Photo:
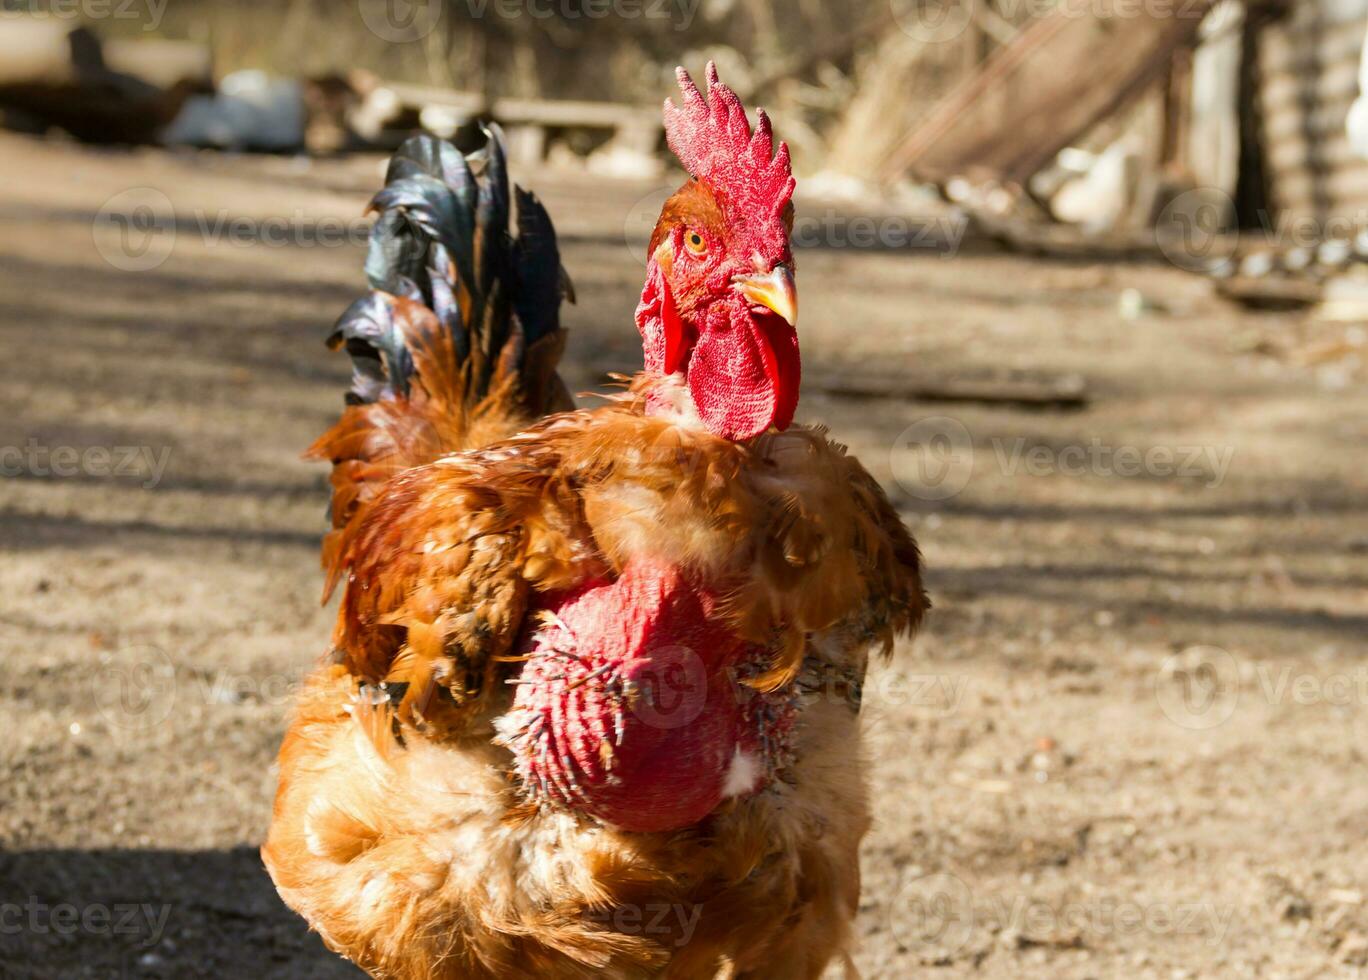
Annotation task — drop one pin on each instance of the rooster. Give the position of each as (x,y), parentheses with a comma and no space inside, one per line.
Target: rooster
(592,704)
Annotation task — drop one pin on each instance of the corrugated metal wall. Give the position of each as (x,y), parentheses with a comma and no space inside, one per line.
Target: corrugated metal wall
(1309,77)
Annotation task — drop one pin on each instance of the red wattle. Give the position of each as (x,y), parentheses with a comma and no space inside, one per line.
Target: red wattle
(745,371)
(743,366)
(665,339)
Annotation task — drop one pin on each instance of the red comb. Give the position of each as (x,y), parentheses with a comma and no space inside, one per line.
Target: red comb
(713,140)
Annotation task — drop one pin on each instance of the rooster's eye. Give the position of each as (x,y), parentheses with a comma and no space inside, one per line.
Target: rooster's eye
(695,242)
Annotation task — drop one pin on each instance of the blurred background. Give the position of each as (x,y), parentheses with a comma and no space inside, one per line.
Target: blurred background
(1084,284)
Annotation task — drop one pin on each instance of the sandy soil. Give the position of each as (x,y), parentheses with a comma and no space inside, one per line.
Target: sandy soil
(1131,741)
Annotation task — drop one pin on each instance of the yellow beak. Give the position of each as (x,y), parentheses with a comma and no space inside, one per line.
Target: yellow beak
(773,290)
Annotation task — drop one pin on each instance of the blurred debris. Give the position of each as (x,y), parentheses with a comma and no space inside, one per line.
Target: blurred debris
(1352,949)
(1213,136)
(250,111)
(331,104)
(253,110)
(1068,137)
(626,139)
(1210,134)
(1030,234)
(1285,899)
(896,86)
(1345,300)
(1258,292)
(995,786)
(1337,351)
(1132,304)
(1097,190)
(149,91)
(1058,78)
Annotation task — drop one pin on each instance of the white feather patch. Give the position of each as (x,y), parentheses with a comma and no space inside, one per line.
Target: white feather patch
(742,775)
(676,404)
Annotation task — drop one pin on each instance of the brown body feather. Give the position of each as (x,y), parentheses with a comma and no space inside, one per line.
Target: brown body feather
(453,404)
(399,833)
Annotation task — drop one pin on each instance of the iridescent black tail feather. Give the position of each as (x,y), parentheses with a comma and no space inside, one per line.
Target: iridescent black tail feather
(449,237)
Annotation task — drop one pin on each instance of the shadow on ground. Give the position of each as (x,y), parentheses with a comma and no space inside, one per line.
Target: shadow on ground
(113,913)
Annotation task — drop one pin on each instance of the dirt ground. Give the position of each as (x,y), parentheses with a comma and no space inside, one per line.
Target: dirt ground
(1130,742)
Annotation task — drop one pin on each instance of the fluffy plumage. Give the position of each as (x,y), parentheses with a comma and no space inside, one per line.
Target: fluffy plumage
(485,780)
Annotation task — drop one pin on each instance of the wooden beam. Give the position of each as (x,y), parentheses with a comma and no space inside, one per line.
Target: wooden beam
(1064,393)
(1064,73)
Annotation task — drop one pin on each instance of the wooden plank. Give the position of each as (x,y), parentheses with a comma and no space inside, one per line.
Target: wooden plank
(1068,241)
(557,112)
(1063,393)
(527,120)
(1335,82)
(1271,292)
(421,96)
(1066,392)
(1341,188)
(529,112)
(1319,121)
(1296,155)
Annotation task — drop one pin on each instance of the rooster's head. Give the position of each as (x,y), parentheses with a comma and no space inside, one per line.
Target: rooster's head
(719,303)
